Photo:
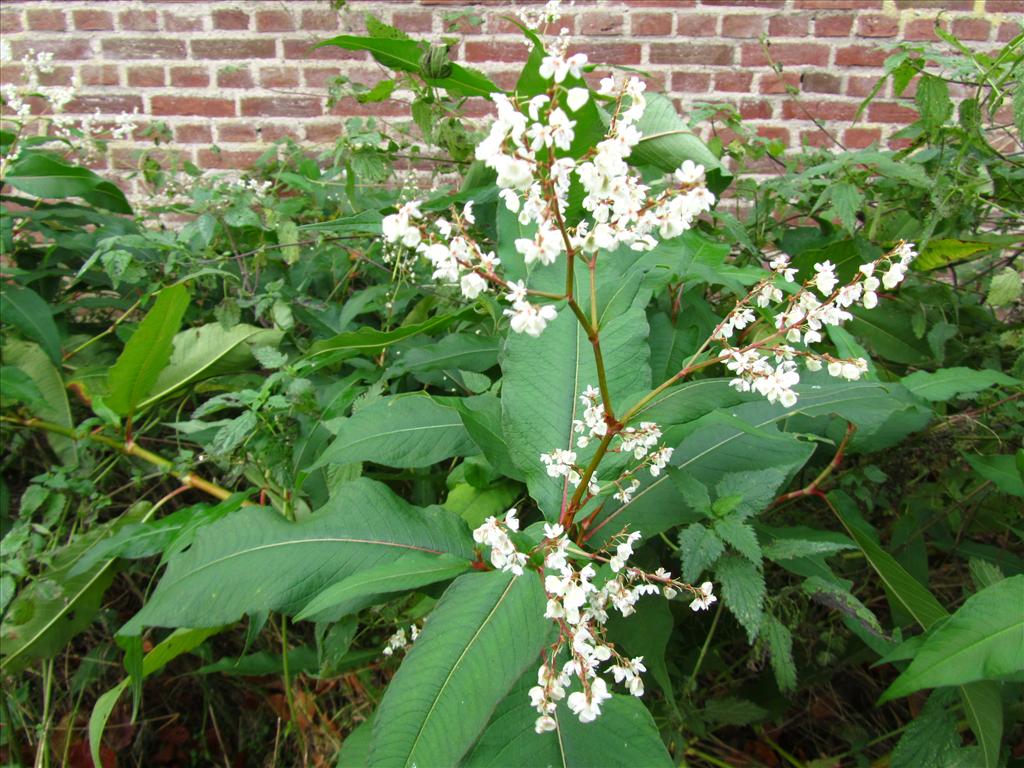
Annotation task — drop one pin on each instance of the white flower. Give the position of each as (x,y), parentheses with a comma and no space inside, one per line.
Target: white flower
(530,319)
(467,213)
(472,285)
(704,600)
(577,98)
(557,67)
(825,279)
(398,227)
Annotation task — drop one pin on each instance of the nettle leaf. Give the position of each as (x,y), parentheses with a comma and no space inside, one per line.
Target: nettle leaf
(931,738)
(254,560)
(743,592)
(699,549)
(982,640)
(933,102)
(625,736)
(147,351)
(740,536)
(1005,288)
(486,630)
(780,650)
(401,431)
(26,310)
(844,200)
(948,383)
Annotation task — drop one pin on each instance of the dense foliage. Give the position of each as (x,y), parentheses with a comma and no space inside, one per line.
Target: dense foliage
(540,456)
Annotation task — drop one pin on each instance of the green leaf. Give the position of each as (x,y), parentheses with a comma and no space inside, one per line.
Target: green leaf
(625,736)
(733,711)
(355,750)
(845,201)
(699,549)
(983,640)
(455,351)
(667,140)
(46,176)
(943,252)
(801,541)
(401,431)
(147,351)
(743,592)
(780,650)
(23,308)
(206,351)
(481,415)
(890,334)
(947,383)
(834,596)
(486,630)
(646,633)
(933,102)
(1005,288)
(16,386)
(178,642)
(371,342)
(413,569)
(35,363)
(740,536)
(255,560)
(930,739)
(1004,471)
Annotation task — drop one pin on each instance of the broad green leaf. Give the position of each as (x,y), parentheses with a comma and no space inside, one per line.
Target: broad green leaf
(413,569)
(699,549)
(45,176)
(646,633)
(933,102)
(455,351)
(625,736)
(370,341)
(35,363)
(930,739)
(780,649)
(209,350)
(667,140)
(481,415)
(401,431)
(355,750)
(740,536)
(983,640)
(147,351)
(16,386)
(255,560)
(484,633)
(890,334)
(801,541)
(742,592)
(1005,288)
(543,380)
(947,383)
(474,505)
(178,642)
(943,252)
(733,711)
(1004,471)
(23,308)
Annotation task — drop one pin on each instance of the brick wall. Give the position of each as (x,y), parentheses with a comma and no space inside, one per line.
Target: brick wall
(235,75)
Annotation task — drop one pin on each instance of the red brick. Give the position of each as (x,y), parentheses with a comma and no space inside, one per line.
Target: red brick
(1004,6)
(861,56)
(146,77)
(193,133)
(303,49)
(351,107)
(228,159)
(774,132)
(230,18)
(788,26)
(143,48)
(609,53)
(247,48)
(12,73)
(282,106)
(755,110)
(818,110)
(413,21)
(193,106)
(322,133)
(107,105)
(859,87)
(859,138)
(600,23)
(971,29)
(274,21)
(275,132)
(816,138)
(175,23)
(138,20)
(877,25)
(237,133)
(651,24)
(62,48)
(746,3)
(92,21)
(890,112)
(190,77)
(833,26)
(479,50)
(10,22)
(920,29)
(773,82)
(279,77)
(748,25)
(1008,30)
(45,20)
(697,26)
(60,76)
(319,19)
(753,55)
(820,82)
(100,74)
(734,82)
(899,143)
(234,77)
(704,54)
(690,82)
(316,78)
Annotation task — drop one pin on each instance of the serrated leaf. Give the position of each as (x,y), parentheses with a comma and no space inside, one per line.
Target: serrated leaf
(740,536)
(1005,288)
(930,739)
(982,640)
(401,431)
(942,252)
(780,650)
(845,200)
(743,592)
(486,630)
(254,560)
(699,549)
(933,102)
(25,309)
(947,383)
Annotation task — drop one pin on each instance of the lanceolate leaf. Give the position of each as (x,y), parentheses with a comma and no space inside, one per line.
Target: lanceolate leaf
(402,431)
(950,382)
(255,560)
(487,629)
(147,351)
(667,140)
(983,640)
(31,360)
(44,175)
(24,308)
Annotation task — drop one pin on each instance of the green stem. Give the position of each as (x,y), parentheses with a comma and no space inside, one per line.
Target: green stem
(704,649)
(107,332)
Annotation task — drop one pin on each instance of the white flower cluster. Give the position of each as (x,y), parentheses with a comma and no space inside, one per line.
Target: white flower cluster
(769,365)
(504,555)
(398,640)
